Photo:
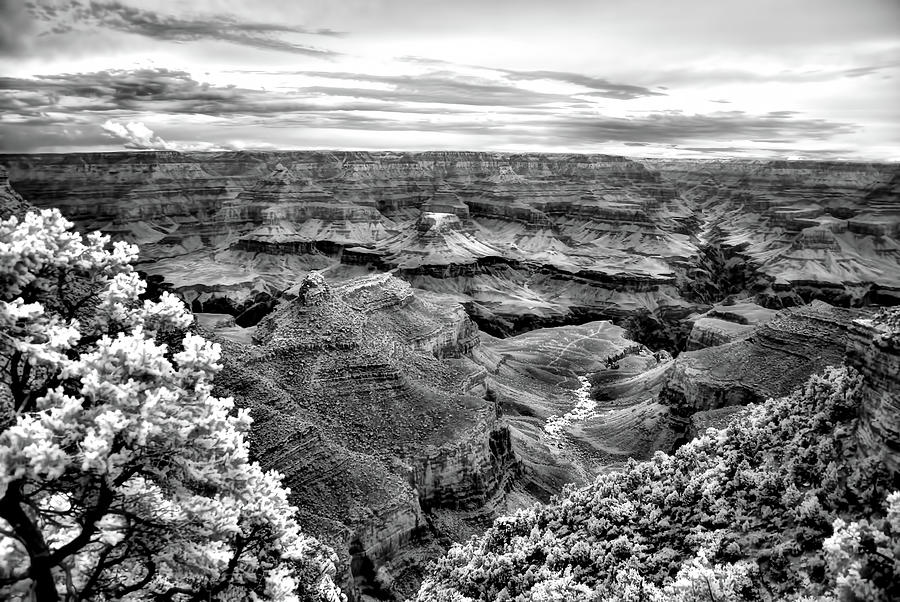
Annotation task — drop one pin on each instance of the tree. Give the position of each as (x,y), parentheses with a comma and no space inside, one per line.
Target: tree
(864,556)
(739,513)
(121,475)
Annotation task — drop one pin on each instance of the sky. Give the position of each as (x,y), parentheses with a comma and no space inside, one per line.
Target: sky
(789,79)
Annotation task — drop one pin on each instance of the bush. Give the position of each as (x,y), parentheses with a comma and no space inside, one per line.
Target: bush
(737,514)
(121,475)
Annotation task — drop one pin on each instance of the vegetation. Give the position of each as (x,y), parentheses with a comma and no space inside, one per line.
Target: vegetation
(887,321)
(121,475)
(755,511)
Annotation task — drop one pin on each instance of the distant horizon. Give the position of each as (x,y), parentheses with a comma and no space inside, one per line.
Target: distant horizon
(766,80)
(134,151)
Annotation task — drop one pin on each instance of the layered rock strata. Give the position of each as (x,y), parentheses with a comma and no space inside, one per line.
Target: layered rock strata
(11,203)
(726,324)
(524,240)
(774,359)
(361,399)
(877,358)
(819,230)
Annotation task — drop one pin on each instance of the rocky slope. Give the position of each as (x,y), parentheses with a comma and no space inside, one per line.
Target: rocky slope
(11,203)
(360,399)
(356,284)
(877,358)
(401,428)
(524,240)
(774,359)
(825,230)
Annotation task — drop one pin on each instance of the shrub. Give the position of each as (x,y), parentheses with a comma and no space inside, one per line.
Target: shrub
(121,475)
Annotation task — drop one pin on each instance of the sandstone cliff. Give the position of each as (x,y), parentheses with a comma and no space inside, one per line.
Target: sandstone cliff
(878,360)
(770,362)
(359,400)
(524,240)
(11,203)
(726,323)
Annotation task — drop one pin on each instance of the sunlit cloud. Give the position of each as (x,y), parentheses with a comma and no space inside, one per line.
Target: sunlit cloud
(136,135)
(814,78)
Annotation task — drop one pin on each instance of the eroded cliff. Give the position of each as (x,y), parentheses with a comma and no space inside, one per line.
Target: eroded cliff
(877,357)
(360,400)
(524,240)
(773,360)
(11,203)
(357,283)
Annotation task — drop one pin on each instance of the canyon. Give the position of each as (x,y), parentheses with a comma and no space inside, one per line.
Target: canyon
(431,340)
(522,240)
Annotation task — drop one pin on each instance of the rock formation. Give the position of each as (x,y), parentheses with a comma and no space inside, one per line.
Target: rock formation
(361,399)
(823,230)
(428,340)
(524,240)
(877,358)
(773,360)
(707,385)
(11,203)
(726,323)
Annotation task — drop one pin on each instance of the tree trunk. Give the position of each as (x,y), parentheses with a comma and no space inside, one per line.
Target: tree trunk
(31,537)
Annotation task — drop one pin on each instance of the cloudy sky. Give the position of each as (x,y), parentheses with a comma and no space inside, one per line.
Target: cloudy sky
(768,78)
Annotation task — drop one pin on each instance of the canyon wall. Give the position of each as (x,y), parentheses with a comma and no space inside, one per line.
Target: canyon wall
(823,230)
(707,385)
(524,240)
(11,202)
(771,361)
(877,358)
(363,400)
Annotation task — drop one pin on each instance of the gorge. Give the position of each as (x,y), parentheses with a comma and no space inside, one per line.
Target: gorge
(406,327)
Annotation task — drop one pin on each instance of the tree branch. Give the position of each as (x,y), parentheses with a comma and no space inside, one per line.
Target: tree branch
(4,581)
(225,581)
(151,572)
(91,516)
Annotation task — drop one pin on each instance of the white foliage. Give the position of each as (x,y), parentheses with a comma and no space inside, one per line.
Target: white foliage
(136,476)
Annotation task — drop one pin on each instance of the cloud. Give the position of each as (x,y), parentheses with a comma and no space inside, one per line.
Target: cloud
(599,86)
(173,91)
(16,27)
(136,135)
(129,19)
(878,63)
(164,90)
(587,131)
(436,104)
(676,127)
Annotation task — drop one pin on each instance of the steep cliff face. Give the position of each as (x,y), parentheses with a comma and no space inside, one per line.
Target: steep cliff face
(710,332)
(878,360)
(125,189)
(820,230)
(726,324)
(769,362)
(11,203)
